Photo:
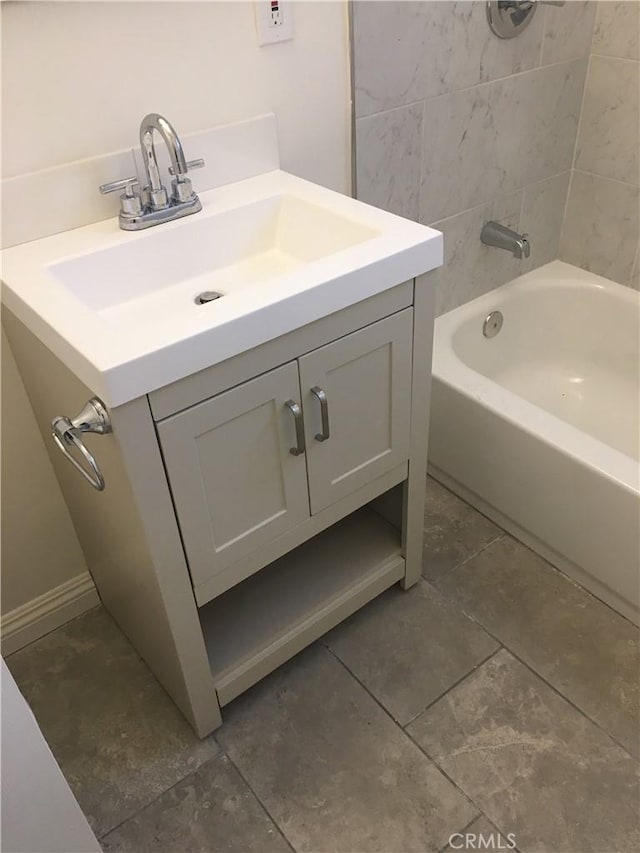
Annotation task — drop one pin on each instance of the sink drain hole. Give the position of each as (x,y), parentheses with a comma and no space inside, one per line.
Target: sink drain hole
(207,296)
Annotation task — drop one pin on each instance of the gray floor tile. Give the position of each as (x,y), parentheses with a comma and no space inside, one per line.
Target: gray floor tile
(453,531)
(586,650)
(332,769)
(533,763)
(211,811)
(480,835)
(408,648)
(117,736)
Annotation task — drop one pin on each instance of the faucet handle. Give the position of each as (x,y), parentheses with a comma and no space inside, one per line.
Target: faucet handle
(126,184)
(191,164)
(181,184)
(130,202)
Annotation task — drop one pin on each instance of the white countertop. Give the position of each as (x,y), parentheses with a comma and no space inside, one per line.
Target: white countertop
(140,344)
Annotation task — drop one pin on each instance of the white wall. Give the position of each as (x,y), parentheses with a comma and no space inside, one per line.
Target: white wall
(40,550)
(77,79)
(79,76)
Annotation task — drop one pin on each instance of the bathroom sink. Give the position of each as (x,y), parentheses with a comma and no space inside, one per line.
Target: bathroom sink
(121,309)
(248,245)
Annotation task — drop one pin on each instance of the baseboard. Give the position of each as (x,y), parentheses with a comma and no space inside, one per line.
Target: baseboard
(47,612)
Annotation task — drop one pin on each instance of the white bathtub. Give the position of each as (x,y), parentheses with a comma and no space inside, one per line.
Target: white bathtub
(538,427)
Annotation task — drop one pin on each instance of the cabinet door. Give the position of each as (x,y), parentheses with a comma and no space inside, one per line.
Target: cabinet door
(235,483)
(365,378)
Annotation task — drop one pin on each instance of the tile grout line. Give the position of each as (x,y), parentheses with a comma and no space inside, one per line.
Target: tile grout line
(139,811)
(453,686)
(222,754)
(576,141)
(469,825)
(505,534)
(583,98)
(435,763)
(559,693)
(423,125)
(466,559)
(605,178)
(460,832)
(542,678)
(260,802)
(536,69)
(543,36)
(611,56)
(397,725)
(530,667)
(502,195)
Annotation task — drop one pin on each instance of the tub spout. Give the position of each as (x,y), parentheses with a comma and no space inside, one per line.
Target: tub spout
(494,234)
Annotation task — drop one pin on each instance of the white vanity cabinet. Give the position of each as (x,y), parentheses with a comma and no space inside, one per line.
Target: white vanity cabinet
(235,485)
(219,551)
(257,460)
(263,454)
(366,377)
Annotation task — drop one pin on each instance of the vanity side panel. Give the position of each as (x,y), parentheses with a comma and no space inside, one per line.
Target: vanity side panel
(415,484)
(128,532)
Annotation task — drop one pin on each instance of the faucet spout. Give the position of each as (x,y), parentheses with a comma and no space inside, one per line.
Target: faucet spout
(494,234)
(151,122)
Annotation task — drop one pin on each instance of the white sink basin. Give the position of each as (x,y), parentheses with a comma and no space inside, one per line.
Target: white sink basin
(237,248)
(118,308)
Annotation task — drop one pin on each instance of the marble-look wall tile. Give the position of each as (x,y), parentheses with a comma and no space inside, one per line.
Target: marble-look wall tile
(568,31)
(498,137)
(471,268)
(617,30)
(409,51)
(601,226)
(609,136)
(543,207)
(388,152)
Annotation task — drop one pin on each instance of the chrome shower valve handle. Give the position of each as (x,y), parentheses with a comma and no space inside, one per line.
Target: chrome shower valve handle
(507,18)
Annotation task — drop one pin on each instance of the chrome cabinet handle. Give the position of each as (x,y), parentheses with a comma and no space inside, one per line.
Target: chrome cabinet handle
(296,411)
(324,414)
(66,433)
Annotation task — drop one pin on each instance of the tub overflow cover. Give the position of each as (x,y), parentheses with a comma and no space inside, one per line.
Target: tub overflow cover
(492,324)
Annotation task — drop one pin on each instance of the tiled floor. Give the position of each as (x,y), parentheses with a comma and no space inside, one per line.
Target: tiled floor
(493,698)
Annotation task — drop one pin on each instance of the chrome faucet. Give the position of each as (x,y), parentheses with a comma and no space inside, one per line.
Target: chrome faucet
(494,234)
(155,205)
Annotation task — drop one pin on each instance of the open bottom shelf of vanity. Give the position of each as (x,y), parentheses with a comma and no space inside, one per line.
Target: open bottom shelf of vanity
(265,620)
